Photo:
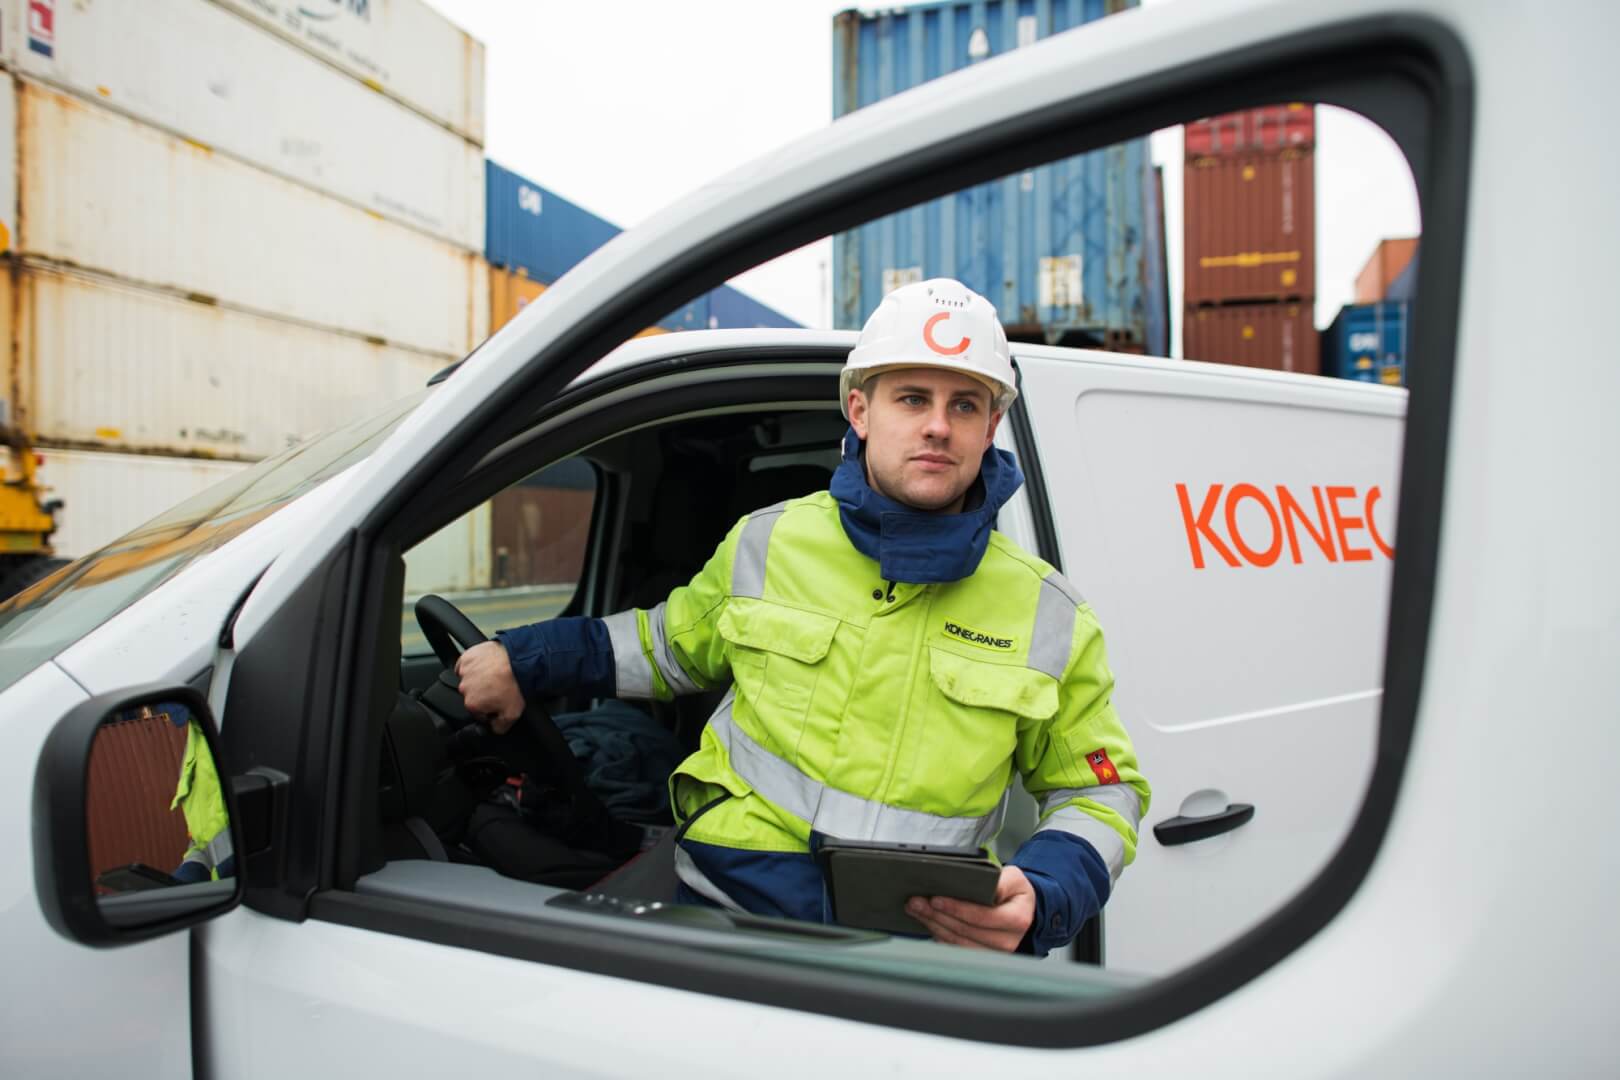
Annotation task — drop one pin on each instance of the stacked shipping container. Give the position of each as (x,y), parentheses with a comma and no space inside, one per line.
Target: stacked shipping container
(1249,256)
(1068,252)
(535,236)
(1367,343)
(1367,340)
(228,224)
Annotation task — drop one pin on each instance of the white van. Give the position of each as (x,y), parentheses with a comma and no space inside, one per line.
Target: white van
(1341,872)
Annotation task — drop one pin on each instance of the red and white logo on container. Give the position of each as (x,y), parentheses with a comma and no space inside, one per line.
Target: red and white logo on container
(42,27)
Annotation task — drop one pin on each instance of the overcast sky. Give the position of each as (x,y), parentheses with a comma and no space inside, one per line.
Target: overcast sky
(623,108)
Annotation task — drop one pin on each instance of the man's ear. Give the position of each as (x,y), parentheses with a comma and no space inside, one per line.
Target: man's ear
(995,422)
(857,404)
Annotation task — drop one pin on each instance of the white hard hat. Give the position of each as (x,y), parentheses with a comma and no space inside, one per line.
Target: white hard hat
(937,323)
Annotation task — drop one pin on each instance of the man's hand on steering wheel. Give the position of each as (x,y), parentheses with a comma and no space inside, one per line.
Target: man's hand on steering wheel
(488,687)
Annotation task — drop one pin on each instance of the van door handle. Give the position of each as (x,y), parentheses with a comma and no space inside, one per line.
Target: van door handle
(1185,830)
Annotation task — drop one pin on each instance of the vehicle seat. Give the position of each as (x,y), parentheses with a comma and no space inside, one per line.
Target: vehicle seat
(414,761)
(753,491)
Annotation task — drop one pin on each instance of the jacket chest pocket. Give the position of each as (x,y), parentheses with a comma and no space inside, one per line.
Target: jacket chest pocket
(777,656)
(973,715)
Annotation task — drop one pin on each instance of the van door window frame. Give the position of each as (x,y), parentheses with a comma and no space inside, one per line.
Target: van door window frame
(1409,74)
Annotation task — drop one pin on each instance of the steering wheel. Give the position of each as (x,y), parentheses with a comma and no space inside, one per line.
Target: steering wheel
(534,743)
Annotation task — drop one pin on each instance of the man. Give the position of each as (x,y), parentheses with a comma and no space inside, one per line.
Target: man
(893,661)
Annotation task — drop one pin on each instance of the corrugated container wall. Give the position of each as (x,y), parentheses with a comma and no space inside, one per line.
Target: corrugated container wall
(130,784)
(8,160)
(108,366)
(734,310)
(199,224)
(510,293)
(1367,343)
(402,48)
(1386,263)
(105,495)
(1266,130)
(1250,228)
(538,236)
(1060,249)
(535,231)
(1156,269)
(204,73)
(1281,337)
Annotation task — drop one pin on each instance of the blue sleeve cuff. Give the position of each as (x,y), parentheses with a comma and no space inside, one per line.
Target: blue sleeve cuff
(1071,886)
(561,656)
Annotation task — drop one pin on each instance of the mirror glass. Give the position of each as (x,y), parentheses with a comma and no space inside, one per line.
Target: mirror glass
(156,816)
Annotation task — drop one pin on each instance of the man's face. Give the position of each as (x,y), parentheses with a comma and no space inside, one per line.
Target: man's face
(926,431)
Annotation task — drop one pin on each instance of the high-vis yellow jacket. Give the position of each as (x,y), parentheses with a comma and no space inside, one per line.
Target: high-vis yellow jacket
(870,710)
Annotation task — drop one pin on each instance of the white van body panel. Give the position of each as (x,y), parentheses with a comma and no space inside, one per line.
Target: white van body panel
(1258,683)
(67,1010)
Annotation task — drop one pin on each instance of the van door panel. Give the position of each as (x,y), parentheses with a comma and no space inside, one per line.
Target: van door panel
(1218,523)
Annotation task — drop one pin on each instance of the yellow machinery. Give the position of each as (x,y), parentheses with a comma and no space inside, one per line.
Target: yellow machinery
(26,523)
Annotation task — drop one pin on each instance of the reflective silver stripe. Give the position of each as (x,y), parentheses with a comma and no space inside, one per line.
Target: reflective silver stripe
(1053,637)
(664,656)
(1109,844)
(1120,798)
(838,813)
(748,562)
(218,849)
(1064,586)
(699,882)
(211,854)
(631,672)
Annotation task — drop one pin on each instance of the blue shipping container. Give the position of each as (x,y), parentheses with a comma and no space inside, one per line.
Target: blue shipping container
(543,235)
(731,309)
(1367,343)
(530,229)
(1066,251)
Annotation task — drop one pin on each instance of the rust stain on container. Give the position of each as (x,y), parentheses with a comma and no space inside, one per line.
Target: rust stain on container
(1250,228)
(1388,259)
(1281,337)
(134,765)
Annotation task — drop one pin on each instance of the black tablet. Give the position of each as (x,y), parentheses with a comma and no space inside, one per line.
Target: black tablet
(869,883)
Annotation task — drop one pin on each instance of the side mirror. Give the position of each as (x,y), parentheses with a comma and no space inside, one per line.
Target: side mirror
(135,829)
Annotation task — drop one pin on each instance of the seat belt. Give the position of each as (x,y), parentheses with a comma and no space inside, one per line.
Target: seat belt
(429,840)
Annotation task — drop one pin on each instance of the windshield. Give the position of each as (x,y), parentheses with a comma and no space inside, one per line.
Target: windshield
(41,621)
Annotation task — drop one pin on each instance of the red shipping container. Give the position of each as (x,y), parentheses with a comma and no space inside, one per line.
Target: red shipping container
(1265,130)
(1281,337)
(1386,264)
(134,766)
(1249,228)
(539,534)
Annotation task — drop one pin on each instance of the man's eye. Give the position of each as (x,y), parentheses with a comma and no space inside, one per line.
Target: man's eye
(912,399)
(967,406)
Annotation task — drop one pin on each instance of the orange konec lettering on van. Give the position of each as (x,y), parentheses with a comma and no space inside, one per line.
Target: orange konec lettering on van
(1329,528)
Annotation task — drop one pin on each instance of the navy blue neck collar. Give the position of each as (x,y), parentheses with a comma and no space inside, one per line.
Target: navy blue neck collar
(909,545)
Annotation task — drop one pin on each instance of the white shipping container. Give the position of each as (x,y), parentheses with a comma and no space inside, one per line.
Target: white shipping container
(208,75)
(454,559)
(402,47)
(105,496)
(104,192)
(9,387)
(8,162)
(110,366)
